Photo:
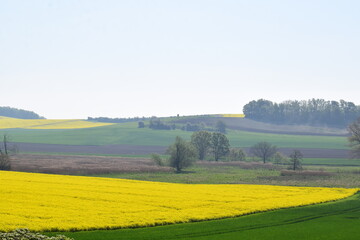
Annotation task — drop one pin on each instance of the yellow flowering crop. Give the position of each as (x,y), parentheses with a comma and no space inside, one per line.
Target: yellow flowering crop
(44,202)
(233,115)
(6,122)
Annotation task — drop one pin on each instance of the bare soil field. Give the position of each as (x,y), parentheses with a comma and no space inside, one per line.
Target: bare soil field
(89,149)
(82,165)
(142,150)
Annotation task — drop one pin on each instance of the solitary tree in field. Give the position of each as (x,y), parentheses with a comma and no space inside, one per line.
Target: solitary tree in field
(202,142)
(263,150)
(295,159)
(220,145)
(354,138)
(182,154)
(5,163)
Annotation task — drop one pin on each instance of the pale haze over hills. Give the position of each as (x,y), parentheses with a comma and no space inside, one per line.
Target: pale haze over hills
(74,59)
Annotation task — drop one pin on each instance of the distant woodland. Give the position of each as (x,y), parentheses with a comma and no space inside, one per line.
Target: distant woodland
(306,112)
(18,113)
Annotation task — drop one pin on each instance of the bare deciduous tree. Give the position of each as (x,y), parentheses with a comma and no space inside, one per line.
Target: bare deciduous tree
(5,163)
(295,159)
(354,138)
(263,150)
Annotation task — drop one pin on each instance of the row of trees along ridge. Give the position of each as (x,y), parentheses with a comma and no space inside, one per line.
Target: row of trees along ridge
(306,112)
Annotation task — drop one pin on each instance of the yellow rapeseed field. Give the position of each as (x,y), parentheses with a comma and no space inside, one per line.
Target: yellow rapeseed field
(44,202)
(6,122)
(234,115)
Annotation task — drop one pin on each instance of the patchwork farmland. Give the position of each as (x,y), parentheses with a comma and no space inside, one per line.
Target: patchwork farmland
(114,169)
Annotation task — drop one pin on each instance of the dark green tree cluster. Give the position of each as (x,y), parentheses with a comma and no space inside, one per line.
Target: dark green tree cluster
(202,142)
(183,154)
(18,113)
(309,112)
(210,142)
(193,127)
(156,123)
(220,127)
(141,124)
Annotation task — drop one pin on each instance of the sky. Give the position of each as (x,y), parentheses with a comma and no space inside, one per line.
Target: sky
(70,59)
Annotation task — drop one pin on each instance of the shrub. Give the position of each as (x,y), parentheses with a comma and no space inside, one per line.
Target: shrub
(157,159)
(237,154)
(280,158)
(25,234)
(182,154)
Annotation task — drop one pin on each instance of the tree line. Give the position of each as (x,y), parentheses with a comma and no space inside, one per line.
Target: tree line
(183,153)
(306,112)
(18,113)
(157,124)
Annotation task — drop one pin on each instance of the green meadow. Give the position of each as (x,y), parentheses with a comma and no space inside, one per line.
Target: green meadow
(130,134)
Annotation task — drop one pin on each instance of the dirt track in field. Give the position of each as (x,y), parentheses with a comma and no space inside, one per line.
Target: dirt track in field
(90,149)
(140,150)
(82,165)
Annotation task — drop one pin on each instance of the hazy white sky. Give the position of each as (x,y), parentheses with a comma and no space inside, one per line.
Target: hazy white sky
(74,59)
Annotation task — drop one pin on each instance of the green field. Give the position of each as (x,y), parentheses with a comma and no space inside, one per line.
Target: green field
(328,221)
(227,173)
(128,133)
(331,161)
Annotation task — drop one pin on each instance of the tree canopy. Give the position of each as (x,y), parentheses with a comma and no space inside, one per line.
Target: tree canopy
(263,150)
(307,112)
(18,113)
(220,145)
(202,142)
(182,154)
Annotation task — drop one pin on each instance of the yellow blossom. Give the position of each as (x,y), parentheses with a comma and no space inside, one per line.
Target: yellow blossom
(43,202)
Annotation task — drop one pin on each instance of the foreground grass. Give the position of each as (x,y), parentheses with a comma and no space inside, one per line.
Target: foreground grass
(329,221)
(129,134)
